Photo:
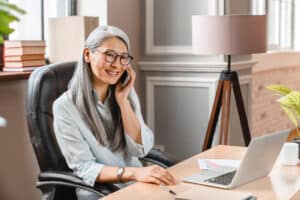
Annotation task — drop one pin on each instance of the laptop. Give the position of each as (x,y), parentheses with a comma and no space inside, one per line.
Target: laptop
(258,161)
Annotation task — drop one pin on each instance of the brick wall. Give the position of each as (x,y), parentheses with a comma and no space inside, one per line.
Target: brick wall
(284,68)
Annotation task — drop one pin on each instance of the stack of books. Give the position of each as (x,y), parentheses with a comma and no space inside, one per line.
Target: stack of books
(23,55)
(1,55)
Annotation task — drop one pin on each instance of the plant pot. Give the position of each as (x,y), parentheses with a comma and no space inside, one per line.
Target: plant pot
(293,134)
(294,137)
(297,141)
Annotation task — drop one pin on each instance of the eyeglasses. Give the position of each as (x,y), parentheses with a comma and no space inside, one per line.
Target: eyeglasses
(111,56)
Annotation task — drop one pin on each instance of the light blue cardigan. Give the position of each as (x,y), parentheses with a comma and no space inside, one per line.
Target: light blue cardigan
(82,152)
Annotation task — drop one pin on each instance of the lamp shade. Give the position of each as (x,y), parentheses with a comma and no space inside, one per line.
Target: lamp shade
(229,34)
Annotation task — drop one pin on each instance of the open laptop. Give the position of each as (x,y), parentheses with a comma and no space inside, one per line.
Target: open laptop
(258,161)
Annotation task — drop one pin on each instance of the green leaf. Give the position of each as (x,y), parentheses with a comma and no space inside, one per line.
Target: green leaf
(5,20)
(282,90)
(291,116)
(7,16)
(291,101)
(8,6)
(4,30)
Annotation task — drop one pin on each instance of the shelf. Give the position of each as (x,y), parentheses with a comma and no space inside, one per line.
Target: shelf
(12,76)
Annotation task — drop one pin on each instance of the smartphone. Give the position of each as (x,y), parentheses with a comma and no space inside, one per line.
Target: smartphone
(125,78)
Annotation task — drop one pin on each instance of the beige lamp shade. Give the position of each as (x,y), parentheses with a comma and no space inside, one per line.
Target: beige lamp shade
(229,35)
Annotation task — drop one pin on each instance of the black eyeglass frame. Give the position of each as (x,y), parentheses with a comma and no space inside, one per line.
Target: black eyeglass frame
(108,53)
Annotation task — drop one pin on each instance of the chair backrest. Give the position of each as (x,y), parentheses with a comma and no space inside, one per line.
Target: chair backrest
(45,85)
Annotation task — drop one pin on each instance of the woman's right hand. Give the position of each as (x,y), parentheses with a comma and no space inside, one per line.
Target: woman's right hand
(153,174)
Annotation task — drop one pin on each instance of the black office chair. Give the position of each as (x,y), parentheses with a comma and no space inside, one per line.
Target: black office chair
(56,180)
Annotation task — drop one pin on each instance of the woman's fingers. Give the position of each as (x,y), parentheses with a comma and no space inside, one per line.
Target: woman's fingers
(167,175)
(129,69)
(154,174)
(170,178)
(153,179)
(131,73)
(162,178)
(163,175)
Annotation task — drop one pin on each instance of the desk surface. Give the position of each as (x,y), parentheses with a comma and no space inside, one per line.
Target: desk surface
(282,183)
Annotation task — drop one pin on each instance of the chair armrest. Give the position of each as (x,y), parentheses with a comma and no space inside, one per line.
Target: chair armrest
(47,188)
(60,176)
(156,156)
(64,178)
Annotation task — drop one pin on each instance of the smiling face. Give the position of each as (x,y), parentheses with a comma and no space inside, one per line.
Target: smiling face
(104,72)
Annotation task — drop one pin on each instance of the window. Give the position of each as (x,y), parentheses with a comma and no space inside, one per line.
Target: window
(34,24)
(283,22)
(297,25)
(29,26)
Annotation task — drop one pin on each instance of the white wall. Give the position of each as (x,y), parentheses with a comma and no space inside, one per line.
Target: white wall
(93,8)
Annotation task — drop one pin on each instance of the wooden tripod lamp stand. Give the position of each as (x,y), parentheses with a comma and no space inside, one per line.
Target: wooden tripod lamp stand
(228,35)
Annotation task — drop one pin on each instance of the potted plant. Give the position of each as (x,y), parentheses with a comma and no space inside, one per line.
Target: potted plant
(7,15)
(289,101)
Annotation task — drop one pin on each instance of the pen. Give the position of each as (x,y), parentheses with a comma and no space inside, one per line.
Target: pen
(167,189)
(250,198)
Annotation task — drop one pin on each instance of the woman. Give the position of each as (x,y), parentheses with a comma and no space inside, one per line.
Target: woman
(98,121)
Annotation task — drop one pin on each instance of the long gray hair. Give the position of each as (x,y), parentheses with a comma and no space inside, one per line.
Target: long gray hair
(81,92)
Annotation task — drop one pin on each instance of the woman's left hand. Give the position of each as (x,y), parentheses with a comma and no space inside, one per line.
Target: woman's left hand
(121,93)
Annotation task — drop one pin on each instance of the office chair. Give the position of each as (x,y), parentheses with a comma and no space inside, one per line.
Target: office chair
(56,180)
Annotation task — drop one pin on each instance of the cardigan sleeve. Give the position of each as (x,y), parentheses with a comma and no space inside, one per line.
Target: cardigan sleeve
(74,147)
(139,150)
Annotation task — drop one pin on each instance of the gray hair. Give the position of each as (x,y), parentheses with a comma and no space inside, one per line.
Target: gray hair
(81,92)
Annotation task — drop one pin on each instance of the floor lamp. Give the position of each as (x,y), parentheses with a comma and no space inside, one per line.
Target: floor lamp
(228,35)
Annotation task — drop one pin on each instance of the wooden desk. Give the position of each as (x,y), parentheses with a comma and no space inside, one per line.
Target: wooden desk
(282,183)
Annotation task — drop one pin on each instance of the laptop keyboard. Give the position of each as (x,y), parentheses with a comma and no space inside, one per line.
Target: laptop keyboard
(224,179)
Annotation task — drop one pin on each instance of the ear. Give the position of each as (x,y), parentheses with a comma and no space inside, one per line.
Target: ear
(86,55)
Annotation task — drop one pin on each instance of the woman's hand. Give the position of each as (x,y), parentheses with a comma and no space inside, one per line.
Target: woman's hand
(121,93)
(153,174)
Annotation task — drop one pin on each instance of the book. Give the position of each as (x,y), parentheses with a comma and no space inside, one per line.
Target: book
(18,51)
(24,43)
(19,69)
(26,63)
(25,57)
(1,55)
